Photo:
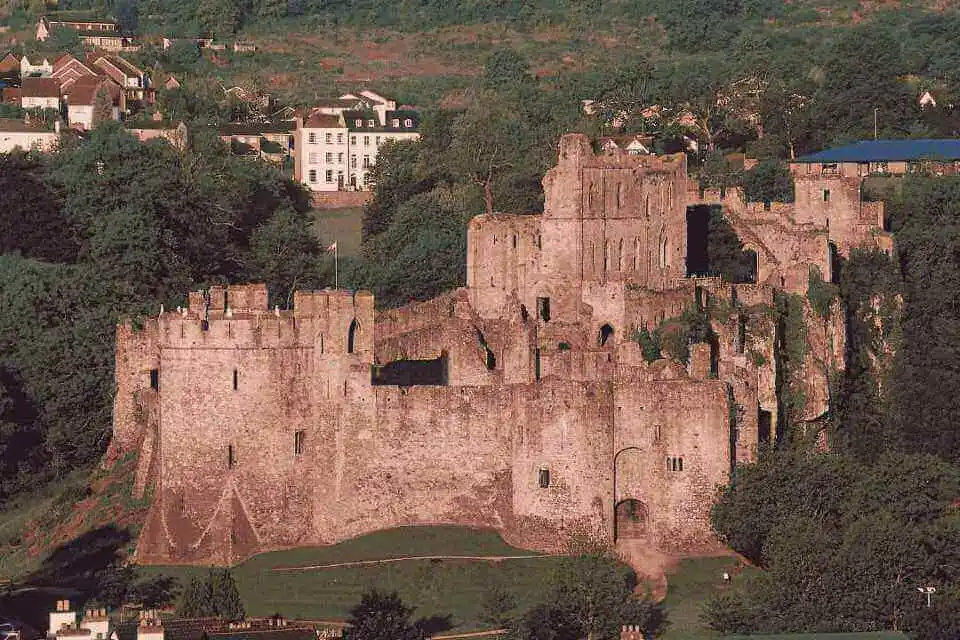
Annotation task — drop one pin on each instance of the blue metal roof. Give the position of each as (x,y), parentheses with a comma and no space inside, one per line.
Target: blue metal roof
(890,151)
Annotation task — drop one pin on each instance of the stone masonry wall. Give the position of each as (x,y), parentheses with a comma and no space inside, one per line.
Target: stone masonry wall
(262,429)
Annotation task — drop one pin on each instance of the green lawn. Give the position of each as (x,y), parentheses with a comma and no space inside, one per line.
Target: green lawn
(690,586)
(340,225)
(436,587)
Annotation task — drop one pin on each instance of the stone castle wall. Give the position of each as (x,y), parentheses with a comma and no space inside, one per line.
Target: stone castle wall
(262,429)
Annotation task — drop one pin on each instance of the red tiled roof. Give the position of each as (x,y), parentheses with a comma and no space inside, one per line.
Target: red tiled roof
(40,88)
(9,62)
(322,120)
(11,124)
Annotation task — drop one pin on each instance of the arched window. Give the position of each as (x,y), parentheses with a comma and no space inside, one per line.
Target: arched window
(620,254)
(636,254)
(663,250)
(606,255)
(352,335)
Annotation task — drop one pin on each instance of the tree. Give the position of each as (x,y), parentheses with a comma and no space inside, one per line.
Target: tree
(197,599)
(382,616)
(128,17)
(219,18)
(595,595)
(698,88)
(768,182)
(423,252)
(66,39)
(284,254)
(395,179)
(487,141)
(505,69)
(499,607)
(157,592)
(32,220)
(213,595)
(225,598)
(183,55)
(548,622)
(102,106)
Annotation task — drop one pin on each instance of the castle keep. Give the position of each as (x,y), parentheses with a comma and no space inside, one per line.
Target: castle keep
(521,402)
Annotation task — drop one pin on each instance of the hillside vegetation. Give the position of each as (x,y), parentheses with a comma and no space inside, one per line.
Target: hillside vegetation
(113,228)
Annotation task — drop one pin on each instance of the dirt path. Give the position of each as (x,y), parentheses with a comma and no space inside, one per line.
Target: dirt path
(361,563)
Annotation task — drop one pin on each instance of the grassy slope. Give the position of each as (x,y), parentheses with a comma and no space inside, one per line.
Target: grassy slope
(436,587)
(37,524)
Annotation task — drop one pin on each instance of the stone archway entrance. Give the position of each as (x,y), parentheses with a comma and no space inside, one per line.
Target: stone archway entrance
(631,519)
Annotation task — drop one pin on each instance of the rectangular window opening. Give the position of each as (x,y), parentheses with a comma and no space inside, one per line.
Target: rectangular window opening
(236,379)
(544,478)
(155,379)
(231,457)
(299,438)
(543,309)
(826,195)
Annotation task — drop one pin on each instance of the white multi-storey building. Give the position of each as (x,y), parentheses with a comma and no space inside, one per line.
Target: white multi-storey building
(336,143)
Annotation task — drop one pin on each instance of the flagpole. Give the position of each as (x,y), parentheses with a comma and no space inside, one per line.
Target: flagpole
(336,266)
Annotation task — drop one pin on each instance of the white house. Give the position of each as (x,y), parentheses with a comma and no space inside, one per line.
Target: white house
(40,93)
(336,143)
(15,134)
(42,67)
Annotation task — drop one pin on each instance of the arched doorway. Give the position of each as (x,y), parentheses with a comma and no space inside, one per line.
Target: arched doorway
(631,519)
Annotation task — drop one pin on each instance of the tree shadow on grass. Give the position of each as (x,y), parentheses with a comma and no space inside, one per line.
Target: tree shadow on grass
(74,570)
(433,625)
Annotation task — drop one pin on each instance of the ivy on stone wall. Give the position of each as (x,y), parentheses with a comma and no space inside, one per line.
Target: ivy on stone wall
(820,293)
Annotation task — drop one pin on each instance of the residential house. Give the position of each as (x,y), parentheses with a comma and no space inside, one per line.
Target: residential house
(42,68)
(46,26)
(67,69)
(40,93)
(927,100)
(17,134)
(10,70)
(336,144)
(872,157)
(83,96)
(202,43)
(144,130)
(95,624)
(171,83)
(268,141)
(134,82)
(109,41)
(634,145)
(244,46)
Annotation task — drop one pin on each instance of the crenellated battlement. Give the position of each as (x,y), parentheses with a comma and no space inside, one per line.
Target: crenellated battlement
(522,402)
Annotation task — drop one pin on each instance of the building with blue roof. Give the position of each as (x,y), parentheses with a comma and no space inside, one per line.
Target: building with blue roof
(940,156)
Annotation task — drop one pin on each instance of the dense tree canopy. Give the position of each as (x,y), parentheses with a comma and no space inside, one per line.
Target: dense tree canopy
(116,227)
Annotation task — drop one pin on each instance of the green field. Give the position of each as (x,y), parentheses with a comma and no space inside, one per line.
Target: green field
(340,225)
(437,587)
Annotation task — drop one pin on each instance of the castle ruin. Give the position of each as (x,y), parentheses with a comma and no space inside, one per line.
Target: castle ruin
(521,402)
